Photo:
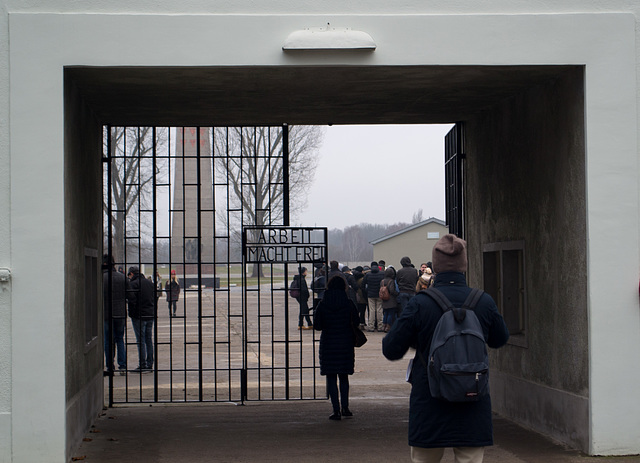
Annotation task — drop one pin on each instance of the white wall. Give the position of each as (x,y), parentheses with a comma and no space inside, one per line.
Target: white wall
(5,244)
(41,44)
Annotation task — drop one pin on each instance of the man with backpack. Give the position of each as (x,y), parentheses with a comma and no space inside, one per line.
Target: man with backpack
(438,418)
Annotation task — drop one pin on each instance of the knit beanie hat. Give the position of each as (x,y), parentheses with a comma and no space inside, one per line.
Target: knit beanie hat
(450,254)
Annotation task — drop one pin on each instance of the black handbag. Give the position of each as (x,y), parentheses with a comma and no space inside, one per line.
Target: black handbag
(359,338)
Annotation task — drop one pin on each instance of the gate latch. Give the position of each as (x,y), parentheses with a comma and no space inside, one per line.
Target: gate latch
(5,275)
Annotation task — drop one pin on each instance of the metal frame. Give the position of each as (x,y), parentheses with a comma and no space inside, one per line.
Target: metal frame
(453,167)
(292,356)
(210,351)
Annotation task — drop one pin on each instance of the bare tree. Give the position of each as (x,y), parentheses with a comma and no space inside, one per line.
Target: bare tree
(417,217)
(250,160)
(353,243)
(131,165)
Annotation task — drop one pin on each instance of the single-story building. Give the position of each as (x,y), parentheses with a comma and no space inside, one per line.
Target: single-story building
(415,241)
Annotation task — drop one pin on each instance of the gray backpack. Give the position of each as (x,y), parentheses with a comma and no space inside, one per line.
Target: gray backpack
(458,368)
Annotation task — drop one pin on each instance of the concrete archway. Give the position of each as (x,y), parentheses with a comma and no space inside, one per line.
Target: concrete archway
(524,179)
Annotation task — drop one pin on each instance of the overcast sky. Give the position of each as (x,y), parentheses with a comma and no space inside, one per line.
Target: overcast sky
(377,174)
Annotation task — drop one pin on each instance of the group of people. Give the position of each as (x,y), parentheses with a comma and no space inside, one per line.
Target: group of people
(363,288)
(434,423)
(137,295)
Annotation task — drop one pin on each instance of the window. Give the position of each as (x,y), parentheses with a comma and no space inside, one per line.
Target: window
(504,279)
(433,235)
(90,297)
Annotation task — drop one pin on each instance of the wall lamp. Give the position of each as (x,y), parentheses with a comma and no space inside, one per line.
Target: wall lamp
(329,38)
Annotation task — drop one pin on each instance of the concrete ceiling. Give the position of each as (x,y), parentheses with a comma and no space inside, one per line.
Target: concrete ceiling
(309,95)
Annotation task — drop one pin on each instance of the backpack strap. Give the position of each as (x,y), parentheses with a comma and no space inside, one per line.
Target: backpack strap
(442,300)
(472,299)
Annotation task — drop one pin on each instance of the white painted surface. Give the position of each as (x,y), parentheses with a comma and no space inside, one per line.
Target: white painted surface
(32,145)
(329,38)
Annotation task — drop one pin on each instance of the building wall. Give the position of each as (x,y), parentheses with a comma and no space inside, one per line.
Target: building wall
(38,42)
(5,243)
(413,244)
(530,149)
(83,236)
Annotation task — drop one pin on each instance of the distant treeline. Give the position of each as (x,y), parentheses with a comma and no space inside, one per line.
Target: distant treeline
(352,243)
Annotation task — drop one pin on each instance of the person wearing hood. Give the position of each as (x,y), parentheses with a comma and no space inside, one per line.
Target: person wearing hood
(142,311)
(435,424)
(335,316)
(407,278)
(371,285)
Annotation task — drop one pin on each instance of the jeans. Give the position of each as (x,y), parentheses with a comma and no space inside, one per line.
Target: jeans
(143,330)
(172,304)
(119,325)
(389,316)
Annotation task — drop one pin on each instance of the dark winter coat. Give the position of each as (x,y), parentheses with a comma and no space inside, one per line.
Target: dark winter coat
(371,282)
(119,287)
(172,288)
(141,297)
(407,277)
(301,284)
(319,284)
(335,316)
(434,422)
(352,290)
(360,295)
(390,283)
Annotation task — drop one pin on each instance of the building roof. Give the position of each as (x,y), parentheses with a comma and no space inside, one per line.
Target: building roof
(409,228)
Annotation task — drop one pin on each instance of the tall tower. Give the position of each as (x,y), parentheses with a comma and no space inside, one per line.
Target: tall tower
(192,208)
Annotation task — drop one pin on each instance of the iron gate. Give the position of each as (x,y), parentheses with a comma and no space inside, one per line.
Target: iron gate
(453,168)
(178,199)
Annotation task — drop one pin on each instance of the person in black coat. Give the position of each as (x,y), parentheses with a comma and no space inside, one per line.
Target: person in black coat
(299,283)
(335,316)
(371,287)
(434,423)
(361,298)
(172,289)
(115,314)
(141,298)
(352,286)
(318,285)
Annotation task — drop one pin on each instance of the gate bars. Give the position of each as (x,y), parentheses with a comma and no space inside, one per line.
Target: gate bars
(177,199)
